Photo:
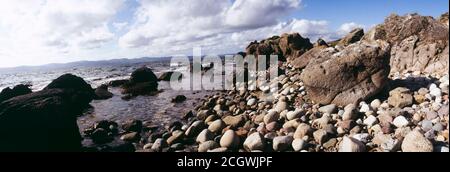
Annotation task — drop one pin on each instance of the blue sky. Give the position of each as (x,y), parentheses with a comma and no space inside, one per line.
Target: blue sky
(35,32)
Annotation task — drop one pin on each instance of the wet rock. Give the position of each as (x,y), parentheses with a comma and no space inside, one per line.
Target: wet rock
(102,93)
(132,126)
(364,66)
(177,137)
(101,136)
(400,97)
(415,141)
(179,99)
(131,137)
(195,128)
(56,107)
(254,141)
(117,83)
(159,145)
(142,82)
(18,90)
(167,76)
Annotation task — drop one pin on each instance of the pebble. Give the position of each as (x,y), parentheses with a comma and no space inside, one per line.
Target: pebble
(251,102)
(400,121)
(416,142)
(435,90)
(328,109)
(370,121)
(362,137)
(282,143)
(229,139)
(204,136)
(272,116)
(177,136)
(349,112)
(298,144)
(254,141)
(216,126)
(159,145)
(130,137)
(281,105)
(351,145)
(195,129)
(320,136)
(438,127)
(234,121)
(375,104)
(208,145)
(302,130)
(293,114)
(330,143)
(427,125)
(364,107)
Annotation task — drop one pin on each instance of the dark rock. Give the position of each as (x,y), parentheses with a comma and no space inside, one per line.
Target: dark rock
(18,90)
(142,82)
(132,126)
(102,93)
(166,76)
(48,118)
(354,74)
(117,83)
(179,99)
(101,136)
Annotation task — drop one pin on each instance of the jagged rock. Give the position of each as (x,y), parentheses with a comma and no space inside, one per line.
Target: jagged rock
(354,74)
(354,36)
(419,43)
(400,97)
(18,90)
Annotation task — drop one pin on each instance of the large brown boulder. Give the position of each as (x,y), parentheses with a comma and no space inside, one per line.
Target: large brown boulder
(304,59)
(356,73)
(354,36)
(45,120)
(419,43)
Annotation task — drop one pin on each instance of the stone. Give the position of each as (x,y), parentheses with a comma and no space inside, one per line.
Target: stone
(400,121)
(102,93)
(400,97)
(254,141)
(179,99)
(195,128)
(302,130)
(273,126)
(131,137)
(370,121)
(435,91)
(349,144)
(272,116)
(419,43)
(438,127)
(427,125)
(170,76)
(328,109)
(415,141)
(320,136)
(303,60)
(298,144)
(142,82)
(282,143)
(204,136)
(132,126)
(234,121)
(281,105)
(251,102)
(349,112)
(375,104)
(362,137)
(18,90)
(386,142)
(222,149)
(364,108)
(216,126)
(294,114)
(364,66)
(354,36)
(159,145)
(207,146)
(177,137)
(100,136)
(229,139)
(56,107)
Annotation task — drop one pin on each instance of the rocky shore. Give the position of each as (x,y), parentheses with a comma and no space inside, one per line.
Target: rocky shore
(383,91)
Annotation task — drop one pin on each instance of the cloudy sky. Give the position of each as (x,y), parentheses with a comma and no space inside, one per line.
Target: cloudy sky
(35,32)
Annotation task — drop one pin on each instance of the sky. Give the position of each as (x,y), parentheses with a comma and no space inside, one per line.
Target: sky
(36,32)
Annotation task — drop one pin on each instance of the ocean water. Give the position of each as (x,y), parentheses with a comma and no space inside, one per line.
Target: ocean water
(156,109)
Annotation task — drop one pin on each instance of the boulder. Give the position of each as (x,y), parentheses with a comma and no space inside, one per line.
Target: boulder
(304,59)
(419,43)
(102,93)
(354,36)
(47,118)
(354,74)
(18,90)
(142,82)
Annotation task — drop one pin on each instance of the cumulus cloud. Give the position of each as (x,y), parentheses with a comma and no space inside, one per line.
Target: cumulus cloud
(47,27)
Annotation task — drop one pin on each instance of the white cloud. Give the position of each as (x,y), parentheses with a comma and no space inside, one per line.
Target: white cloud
(120,25)
(33,29)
